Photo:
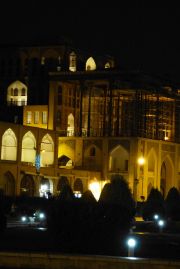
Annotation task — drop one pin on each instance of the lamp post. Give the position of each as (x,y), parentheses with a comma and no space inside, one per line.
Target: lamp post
(131,242)
(161,224)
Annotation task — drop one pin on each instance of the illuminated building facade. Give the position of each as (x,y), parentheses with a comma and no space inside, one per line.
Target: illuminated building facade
(84,120)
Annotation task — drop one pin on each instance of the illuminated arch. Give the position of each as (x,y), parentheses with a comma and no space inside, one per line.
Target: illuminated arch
(118,159)
(107,65)
(28,152)
(70,128)
(167,174)
(152,160)
(9,146)
(72,61)
(47,151)
(90,64)
(17,94)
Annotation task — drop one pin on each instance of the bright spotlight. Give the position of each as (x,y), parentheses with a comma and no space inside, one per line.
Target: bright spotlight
(23,219)
(156,217)
(131,242)
(41,215)
(161,223)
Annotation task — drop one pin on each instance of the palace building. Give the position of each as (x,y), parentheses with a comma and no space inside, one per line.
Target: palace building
(69,117)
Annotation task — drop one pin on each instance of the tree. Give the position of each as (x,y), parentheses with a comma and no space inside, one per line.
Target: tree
(172,204)
(117,192)
(88,197)
(66,194)
(154,205)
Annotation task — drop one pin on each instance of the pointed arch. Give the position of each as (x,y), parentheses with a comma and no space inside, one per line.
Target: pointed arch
(90,64)
(72,61)
(9,146)
(149,188)
(9,184)
(70,128)
(92,151)
(107,65)
(151,160)
(119,159)
(28,152)
(47,151)
(17,94)
(27,186)
(78,185)
(63,180)
(167,174)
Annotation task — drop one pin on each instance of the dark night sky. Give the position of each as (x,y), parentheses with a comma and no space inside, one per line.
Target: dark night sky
(142,37)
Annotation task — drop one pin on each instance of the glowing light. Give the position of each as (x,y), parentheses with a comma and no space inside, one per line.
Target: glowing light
(44,187)
(95,188)
(141,161)
(131,242)
(23,219)
(161,223)
(166,138)
(41,215)
(156,217)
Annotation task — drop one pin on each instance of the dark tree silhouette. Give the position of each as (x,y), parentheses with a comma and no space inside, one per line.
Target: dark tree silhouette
(66,194)
(88,197)
(117,192)
(154,205)
(172,204)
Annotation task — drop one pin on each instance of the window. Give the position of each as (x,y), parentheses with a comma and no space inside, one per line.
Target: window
(92,152)
(126,165)
(72,62)
(36,117)
(44,117)
(23,92)
(29,117)
(15,92)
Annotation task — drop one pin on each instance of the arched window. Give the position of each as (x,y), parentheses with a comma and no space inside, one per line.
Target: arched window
(90,64)
(27,186)
(70,128)
(47,151)
(9,184)
(15,92)
(92,152)
(63,180)
(28,153)
(72,62)
(9,146)
(118,159)
(78,186)
(107,65)
(23,92)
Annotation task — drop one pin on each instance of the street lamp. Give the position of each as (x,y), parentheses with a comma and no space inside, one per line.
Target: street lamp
(156,216)
(161,224)
(131,242)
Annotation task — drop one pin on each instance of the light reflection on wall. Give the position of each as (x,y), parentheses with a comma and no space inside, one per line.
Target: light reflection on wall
(95,188)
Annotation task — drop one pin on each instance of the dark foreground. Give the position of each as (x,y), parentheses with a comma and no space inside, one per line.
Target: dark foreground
(150,244)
